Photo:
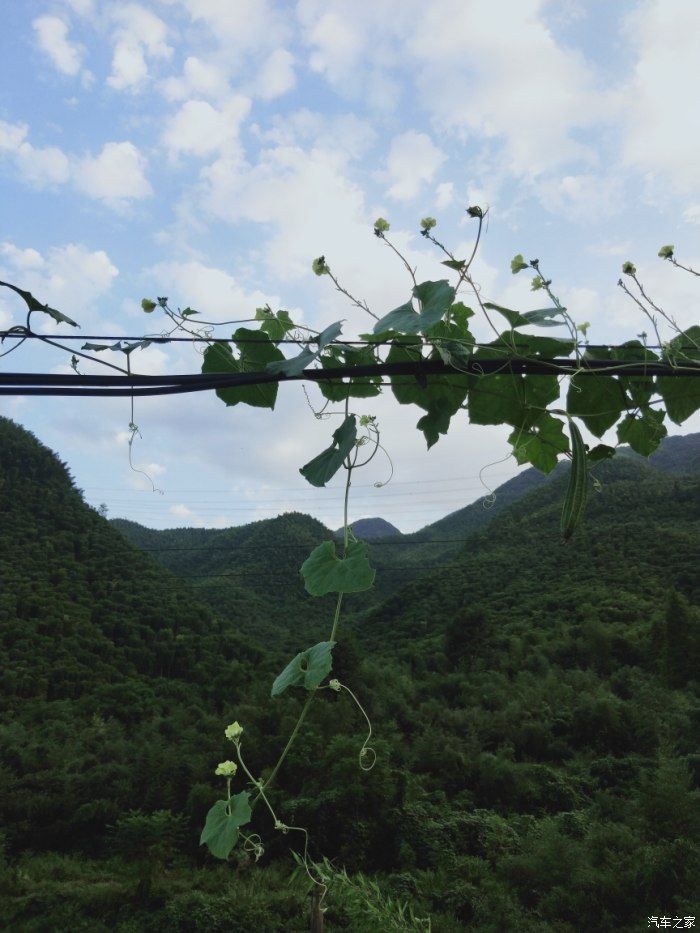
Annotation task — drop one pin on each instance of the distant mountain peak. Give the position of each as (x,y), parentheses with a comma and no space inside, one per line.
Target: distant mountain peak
(371,529)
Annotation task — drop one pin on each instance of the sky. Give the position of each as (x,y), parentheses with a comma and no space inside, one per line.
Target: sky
(209,150)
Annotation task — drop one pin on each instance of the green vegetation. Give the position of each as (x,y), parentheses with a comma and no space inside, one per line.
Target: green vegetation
(536,709)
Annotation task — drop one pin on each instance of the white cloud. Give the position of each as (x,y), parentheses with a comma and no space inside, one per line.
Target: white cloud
(583,197)
(201,79)
(412,161)
(345,134)
(215,293)
(52,38)
(39,167)
(444,194)
(70,278)
(276,77)
(115,175)
(691,214)
(138,33)
(661,109)
(199,129)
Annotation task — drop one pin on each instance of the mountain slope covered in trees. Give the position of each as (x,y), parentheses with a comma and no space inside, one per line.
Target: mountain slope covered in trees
(535,708)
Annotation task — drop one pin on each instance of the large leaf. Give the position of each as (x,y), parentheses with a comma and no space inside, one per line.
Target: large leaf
(639,388)
(597,400)
(324,572)
(436,421)
(323,467)
(435,299)
(540,444)
(307,669)
(681,394)
(220,832)
(357,387)
(513,317)
(297,365)
(643,433)
(510,398)
(402,320)
(545,317)
(254,358)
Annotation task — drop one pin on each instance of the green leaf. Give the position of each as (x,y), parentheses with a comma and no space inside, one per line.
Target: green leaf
(307,669)
(188,312)
(681,394)
(357,387)
(577,491)
(639,388)
(597,400)
(436,421)
(402,320)
(460,314)
(643,434)
(254,357)
(457,264)
(600,452)
(97,347)
(510,398)
(323,467)
(34,305)
(528,345)
(544,317)
(324,572)
(540,444)
(298,364)
(220,832)
(513,317)
(435,299)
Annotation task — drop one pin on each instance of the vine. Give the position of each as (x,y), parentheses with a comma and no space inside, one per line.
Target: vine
(432,360)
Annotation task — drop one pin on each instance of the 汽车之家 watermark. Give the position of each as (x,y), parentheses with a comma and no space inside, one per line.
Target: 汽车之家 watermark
(672,923)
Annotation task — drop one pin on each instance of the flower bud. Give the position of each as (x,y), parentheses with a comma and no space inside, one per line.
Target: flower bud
(234,731)
(381,226)
(226,769)
(319,266)
(629,268)
(427,223)
(666,252)
(147,305)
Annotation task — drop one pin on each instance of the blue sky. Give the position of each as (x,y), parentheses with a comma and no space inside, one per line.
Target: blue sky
(208,150)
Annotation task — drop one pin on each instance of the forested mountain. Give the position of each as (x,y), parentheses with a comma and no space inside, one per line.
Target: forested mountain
(535,707)
(371,529)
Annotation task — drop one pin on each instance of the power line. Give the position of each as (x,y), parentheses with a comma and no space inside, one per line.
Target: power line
(137,385)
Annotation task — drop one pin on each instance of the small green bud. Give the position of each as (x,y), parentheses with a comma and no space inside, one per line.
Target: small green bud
(334,685)
(517,263)
(537,283)
(319,266)
(629,268)
(427,223)
(147,305)
(666,252)
(583,328)
(381,226)
(234,731)
(475,211)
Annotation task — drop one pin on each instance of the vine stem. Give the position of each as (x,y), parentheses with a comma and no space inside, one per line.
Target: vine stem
(336,620)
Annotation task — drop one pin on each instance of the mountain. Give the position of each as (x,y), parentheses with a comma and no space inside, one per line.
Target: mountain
(99,644)
(371,529)
(535,714)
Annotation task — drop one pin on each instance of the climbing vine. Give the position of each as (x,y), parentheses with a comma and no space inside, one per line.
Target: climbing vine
(544,388)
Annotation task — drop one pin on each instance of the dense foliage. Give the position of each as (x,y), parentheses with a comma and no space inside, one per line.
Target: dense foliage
(537,710)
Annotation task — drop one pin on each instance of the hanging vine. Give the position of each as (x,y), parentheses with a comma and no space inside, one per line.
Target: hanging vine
(491,382)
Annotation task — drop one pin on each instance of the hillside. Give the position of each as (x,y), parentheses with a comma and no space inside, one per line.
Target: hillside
(371,529)
(535,710)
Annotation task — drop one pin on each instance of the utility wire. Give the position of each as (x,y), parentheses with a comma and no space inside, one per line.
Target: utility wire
(136,385)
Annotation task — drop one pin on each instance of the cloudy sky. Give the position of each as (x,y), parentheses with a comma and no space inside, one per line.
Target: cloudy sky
(208,150)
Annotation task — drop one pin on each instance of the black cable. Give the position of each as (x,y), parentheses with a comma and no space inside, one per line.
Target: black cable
(136,385)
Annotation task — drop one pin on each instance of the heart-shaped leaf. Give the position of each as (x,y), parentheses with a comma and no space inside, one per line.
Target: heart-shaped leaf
(324,572)
(307,669)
